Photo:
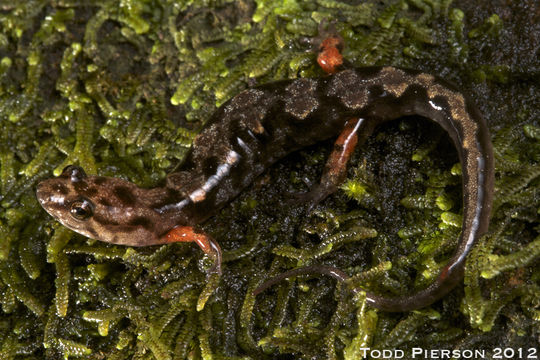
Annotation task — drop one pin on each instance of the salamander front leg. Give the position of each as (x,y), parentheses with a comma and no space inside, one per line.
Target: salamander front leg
(335,170)
(205,242)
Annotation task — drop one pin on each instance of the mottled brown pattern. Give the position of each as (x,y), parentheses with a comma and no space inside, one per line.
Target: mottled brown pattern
(346,85)
(301,98)
(261,125)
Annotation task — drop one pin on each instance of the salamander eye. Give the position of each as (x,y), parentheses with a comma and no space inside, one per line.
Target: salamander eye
(76,173)
(82,209)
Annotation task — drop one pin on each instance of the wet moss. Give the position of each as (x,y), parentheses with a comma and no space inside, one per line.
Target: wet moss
(122,88)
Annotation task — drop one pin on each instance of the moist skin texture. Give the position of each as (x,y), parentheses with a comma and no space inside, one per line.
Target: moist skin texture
(263,124)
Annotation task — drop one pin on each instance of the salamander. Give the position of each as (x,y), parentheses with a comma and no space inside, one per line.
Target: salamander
(261,125)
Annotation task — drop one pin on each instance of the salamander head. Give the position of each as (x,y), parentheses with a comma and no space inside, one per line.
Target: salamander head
(107,209)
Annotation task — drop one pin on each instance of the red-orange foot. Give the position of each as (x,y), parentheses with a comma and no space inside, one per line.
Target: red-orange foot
(205,242)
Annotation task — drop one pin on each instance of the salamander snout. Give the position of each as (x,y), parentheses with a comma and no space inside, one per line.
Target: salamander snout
(39,192)
(65,197)
(52,195)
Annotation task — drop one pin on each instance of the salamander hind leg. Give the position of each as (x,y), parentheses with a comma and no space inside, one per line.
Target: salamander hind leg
(208,245)
(335,170)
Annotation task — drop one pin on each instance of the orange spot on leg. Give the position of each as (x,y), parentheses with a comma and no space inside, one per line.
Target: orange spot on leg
(208,245)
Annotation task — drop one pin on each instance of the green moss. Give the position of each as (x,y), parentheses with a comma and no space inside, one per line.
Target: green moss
(122,88)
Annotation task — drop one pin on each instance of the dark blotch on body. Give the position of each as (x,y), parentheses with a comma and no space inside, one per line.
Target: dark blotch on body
(125,195)
(210,166)
(104,221)
(93,233)
(91,192)
(61,188)
(104,202)
(172,196)
(141,221)
(80,186)
(100,180)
